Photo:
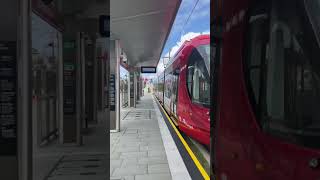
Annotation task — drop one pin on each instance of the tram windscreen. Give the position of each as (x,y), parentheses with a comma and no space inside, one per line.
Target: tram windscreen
(198,80)
(204,50)
(283,71)
(293,73)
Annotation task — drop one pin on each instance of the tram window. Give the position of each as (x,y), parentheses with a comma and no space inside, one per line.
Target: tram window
(254,64)
(168,86)
(198,80)
(290,93)
(160,85)
(313,9)
(174,86)
(189,78)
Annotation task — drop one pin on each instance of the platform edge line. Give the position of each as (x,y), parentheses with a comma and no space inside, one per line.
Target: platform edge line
(193,157)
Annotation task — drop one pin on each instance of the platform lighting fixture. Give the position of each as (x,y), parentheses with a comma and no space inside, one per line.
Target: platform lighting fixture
(47,2)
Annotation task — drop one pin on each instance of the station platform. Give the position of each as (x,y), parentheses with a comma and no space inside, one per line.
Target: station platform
(62,162)
(144,148)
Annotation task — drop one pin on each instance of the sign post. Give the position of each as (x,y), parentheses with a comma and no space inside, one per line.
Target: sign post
(114,86)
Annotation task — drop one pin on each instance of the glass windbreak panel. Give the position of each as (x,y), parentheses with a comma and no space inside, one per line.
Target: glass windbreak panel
(293,76)
(45,58)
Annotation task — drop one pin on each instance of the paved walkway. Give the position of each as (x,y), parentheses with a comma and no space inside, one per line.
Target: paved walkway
(142,150)
(138,151)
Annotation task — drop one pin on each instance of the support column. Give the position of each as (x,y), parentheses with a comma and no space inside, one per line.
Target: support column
(135,82)
(141,86)
(102,80)
(138,85)
(89,79)
(82,43)
(114,86)
(132,88)
(24,95)
(72,99)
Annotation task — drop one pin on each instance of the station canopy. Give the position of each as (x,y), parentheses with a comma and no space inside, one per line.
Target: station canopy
(142,27)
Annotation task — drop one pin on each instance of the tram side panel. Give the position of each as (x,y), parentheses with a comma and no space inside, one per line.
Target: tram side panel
(185,107)
(167,93)
(193,116)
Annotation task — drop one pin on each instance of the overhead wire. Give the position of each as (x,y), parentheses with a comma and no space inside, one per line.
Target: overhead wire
(186,22)
(182,29)
(194,7)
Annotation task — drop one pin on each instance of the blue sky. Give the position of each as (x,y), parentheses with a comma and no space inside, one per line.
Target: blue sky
(199,22)
(182,30)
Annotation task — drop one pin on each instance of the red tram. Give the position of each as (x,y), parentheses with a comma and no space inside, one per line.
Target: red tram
(266,121)
(184,88)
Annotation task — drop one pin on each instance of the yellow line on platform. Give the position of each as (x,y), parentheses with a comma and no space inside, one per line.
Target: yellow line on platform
(193,157)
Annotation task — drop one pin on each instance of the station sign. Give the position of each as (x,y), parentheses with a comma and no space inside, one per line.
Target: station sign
(112,91)
(8,100)
(148,69)
(104,25)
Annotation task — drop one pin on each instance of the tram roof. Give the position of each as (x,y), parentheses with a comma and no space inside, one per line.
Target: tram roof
(187,43)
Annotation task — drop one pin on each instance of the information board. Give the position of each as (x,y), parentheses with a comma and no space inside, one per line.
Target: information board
(69,88)
(69,91)
(69,77)
(8,98)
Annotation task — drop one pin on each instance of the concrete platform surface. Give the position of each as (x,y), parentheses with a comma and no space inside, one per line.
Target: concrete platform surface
(138,152)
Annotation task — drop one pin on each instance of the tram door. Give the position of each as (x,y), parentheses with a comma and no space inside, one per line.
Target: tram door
(174,97)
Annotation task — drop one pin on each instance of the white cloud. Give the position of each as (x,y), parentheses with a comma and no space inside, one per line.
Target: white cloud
(175,48)
(160,66)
